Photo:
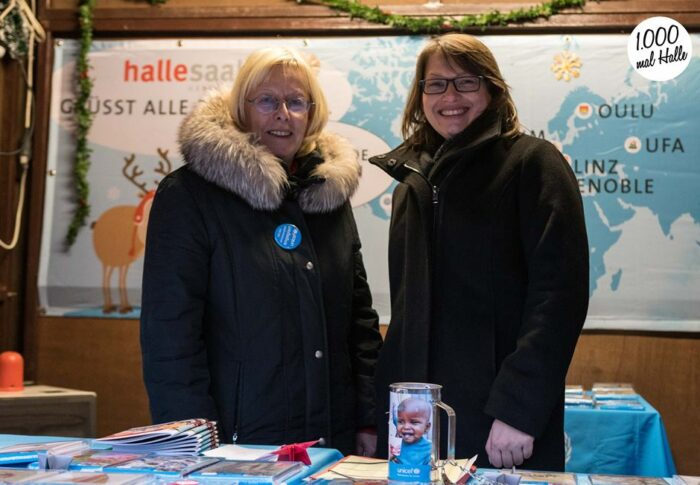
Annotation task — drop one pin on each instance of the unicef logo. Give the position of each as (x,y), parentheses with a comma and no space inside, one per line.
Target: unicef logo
(568,448)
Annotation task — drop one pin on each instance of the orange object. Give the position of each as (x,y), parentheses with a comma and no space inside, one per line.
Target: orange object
(11,371)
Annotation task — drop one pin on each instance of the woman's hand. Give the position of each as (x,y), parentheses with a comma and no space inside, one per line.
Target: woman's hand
(508,446)
(366,443)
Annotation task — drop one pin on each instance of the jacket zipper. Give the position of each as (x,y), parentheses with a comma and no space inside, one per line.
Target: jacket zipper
(239,391)
(435,199)
(435,190)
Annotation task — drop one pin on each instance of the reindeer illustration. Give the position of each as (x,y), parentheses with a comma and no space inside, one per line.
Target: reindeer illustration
(119,234)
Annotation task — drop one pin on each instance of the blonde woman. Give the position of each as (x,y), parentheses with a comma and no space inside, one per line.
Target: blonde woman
(256,311)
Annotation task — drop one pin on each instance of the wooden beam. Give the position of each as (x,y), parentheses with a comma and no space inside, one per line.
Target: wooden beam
(37,182)
(243,17)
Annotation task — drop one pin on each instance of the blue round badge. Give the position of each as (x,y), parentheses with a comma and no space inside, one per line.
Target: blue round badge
(288,236)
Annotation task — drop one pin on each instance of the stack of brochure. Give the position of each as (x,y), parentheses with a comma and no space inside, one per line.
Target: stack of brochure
(29,452)
(573,390)
(170,466)
(97,460)
(604,395)
(614,391)
(159,470)
(548,478)
(52,477)
(229,471)
(596,479)
(575,396)
(187,437)
(616,395)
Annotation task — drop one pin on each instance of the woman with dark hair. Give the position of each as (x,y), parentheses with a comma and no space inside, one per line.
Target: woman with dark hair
(488,261)
(256,311)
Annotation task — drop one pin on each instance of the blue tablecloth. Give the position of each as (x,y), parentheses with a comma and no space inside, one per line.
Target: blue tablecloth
(598,441)
(617,441)
(320,457)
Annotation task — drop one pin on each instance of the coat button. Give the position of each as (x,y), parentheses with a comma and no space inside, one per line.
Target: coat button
(322,441)
(318,354)
(309,265)
(391,162)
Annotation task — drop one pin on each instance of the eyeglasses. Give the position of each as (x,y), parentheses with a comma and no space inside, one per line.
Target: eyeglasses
(463,84)
(267,104)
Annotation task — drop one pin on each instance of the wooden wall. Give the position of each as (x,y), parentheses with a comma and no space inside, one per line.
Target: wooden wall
(665,370)
(12,262)
(103,355)
(100,355)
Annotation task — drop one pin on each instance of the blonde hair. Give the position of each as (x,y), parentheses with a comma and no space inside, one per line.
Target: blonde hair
(257,69)
(472,55)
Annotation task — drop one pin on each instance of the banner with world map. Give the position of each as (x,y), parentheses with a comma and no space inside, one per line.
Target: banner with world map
(632,143)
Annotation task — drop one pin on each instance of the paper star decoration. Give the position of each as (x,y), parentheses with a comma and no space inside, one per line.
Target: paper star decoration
(295,452)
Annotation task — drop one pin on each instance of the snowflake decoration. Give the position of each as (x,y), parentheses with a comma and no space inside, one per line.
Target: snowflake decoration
(566,66)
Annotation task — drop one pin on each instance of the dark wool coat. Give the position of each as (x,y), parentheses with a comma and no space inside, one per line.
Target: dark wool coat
(278,346)
(488,265)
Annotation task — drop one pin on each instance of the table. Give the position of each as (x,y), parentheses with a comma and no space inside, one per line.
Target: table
(42,410)
(617,441)
(320,457)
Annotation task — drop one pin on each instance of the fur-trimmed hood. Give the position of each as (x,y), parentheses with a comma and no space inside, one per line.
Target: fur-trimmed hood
(215,149)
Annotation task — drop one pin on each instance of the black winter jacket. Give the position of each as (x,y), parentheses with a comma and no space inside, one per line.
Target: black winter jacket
(488,265)
(277,345)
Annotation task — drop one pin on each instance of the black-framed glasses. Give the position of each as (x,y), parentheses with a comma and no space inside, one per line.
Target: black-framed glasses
(267,104)
(463,84)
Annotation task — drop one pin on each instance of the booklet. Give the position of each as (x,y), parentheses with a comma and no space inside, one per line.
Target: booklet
(608,386)
(10,475)
(685,480)
(29,452)
(570,389)
(627,405)
(625,480)
(553,478)
(583,401)
(157,432)
(163,465)
(355,468)
(189,436)
(613,390)
(193,446)
(243,453)
(180,481)
(96,460)
(98,477)
(273,472)
(347,481)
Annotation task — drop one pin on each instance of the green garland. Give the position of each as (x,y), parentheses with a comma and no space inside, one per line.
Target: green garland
(83,118)
(416,25)
(441,23)
(14,32)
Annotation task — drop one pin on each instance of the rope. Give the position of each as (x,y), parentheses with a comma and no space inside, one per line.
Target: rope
(24,153)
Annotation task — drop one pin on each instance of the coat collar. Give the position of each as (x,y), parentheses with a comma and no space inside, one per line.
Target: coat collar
(218,151)
(485,129)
